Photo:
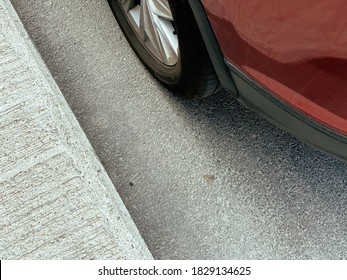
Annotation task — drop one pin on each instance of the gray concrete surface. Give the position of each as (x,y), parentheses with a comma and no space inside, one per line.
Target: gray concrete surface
(56,200)
(207,180)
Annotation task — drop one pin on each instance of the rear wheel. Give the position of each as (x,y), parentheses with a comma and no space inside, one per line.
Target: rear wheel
(166,38)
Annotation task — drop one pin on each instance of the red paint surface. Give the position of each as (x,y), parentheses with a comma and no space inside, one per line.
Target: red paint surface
(297,49)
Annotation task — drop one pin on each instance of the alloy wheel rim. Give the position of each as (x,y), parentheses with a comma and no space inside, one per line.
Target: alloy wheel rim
(152,21)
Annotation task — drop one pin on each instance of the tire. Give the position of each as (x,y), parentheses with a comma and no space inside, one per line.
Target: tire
(180,61)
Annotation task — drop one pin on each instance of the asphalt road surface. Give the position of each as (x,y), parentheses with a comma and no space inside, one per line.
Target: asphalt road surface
(202,180)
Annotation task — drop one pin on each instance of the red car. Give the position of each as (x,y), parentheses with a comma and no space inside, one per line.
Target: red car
(286,60)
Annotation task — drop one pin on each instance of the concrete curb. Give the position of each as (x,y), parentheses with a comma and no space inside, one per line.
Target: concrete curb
(56,200)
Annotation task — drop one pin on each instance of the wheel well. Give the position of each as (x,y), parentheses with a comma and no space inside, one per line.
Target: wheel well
(212,46)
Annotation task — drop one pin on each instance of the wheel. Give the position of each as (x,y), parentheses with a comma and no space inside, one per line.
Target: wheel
(167,40)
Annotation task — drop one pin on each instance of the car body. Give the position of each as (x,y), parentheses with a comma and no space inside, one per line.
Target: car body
(284,60)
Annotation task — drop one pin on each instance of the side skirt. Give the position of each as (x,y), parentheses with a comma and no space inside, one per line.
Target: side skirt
(282,115)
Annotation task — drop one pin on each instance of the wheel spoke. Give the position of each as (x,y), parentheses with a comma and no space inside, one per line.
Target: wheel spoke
(162,9)
(155,32)
(152,20)
(127,4)
(147,24)
(167,38)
